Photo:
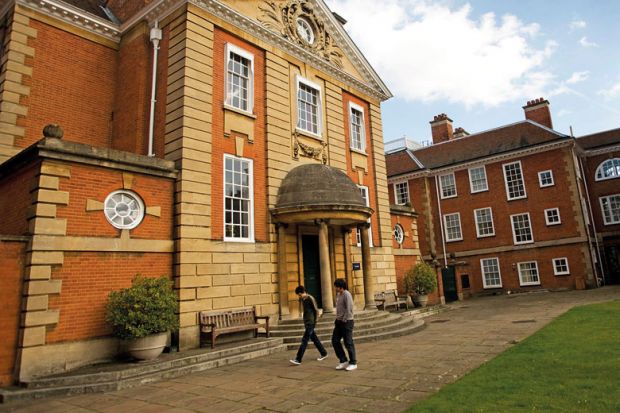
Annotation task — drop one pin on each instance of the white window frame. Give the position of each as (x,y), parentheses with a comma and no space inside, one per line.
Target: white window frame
(405,192)
(485,284)
(250,237)
(441,186)
(615,165)
(548,221)
(535,266)
(605,208)
(471,180)
(514,233)
(362,137)
(555,263)
(445,225)
(319,107)
(228,99)
(478,234)
(366,196)
(504,166)
(540,178)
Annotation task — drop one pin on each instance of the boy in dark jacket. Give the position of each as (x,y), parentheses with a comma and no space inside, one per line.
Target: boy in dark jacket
(311,315)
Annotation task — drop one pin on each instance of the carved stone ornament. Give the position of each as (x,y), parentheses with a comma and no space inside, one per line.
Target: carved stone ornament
(297,21)
(308,151)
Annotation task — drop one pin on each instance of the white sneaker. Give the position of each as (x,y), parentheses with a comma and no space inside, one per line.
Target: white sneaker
(322,358)
(351,367)
(294,362)
(342,366)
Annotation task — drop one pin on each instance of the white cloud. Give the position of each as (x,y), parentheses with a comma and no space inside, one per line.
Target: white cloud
(611,92)
(577,24)
(577,77)
(586,43)
(426,51)
(563,112)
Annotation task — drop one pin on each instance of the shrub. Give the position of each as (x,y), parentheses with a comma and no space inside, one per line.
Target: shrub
(147,307)
(421,279)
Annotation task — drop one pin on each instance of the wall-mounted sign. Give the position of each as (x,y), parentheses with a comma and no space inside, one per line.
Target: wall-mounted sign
(356,266)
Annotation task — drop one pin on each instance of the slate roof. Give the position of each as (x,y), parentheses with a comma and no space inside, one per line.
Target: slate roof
(504,139)
(599,139)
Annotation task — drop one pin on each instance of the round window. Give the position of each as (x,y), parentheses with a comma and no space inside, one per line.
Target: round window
(305,31)
(124,209)
(399,234)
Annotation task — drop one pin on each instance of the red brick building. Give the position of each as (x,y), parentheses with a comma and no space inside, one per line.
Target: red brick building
(233,146)
(505,210)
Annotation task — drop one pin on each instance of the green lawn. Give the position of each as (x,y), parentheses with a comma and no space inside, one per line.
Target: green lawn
(572,365)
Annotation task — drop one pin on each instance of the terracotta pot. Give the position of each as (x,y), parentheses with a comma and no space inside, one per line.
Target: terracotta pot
(149,347)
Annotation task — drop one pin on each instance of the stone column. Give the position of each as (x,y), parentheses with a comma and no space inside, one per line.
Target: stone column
(326,274)
(282,272)
(348,264)
(369,287)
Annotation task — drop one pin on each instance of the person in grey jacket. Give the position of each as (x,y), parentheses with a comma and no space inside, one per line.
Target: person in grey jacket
(311,315)
(343,327)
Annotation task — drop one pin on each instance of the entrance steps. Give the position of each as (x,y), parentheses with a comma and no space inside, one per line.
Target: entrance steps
(370,325)
(121,375)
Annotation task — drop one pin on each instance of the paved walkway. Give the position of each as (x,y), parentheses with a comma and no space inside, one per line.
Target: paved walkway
(392,374)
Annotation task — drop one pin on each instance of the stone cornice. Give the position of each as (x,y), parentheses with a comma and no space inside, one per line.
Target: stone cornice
(602,151)
(74,16)
(483,161)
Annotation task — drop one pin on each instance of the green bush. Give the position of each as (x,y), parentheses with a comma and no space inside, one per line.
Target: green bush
(147,307)
(421,279)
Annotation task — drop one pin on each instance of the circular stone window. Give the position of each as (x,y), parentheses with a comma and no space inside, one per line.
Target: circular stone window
(399,234)
(305,31)
(124,209)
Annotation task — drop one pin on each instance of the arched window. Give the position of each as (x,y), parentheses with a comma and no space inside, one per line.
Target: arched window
(608,170)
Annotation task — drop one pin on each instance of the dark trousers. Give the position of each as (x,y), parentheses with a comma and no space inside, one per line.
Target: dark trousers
(344,330)
(309,334)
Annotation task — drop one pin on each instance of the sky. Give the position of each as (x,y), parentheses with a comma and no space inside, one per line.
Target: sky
(480,61)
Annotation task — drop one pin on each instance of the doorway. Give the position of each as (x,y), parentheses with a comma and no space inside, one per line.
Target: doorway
(312,267)
(448,276)
(612,261)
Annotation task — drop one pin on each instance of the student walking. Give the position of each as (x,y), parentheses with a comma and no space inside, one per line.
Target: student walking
(311,315)
(343,327)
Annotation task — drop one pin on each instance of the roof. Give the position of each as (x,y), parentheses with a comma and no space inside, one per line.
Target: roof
(476,146)
(90,6)
(599,139)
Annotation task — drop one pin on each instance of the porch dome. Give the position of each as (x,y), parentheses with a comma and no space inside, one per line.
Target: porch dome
(316,191)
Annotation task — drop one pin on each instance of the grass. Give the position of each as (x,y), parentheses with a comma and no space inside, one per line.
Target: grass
(571,365)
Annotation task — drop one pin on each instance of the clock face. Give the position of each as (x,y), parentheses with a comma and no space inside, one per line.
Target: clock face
(304,30)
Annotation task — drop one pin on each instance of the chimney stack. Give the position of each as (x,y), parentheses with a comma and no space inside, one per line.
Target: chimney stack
(460,133)
(537,110)
(441,128)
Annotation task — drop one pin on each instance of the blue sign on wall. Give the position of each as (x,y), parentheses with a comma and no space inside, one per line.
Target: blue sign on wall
(356,266)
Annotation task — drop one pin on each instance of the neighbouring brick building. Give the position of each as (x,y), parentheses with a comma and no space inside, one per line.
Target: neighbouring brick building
(507,210)
(235,146)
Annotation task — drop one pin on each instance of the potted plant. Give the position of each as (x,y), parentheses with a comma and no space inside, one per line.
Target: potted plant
(143,314)
(420,281)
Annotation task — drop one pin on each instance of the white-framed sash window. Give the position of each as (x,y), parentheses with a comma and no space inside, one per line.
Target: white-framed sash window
(239,78)
(238,199)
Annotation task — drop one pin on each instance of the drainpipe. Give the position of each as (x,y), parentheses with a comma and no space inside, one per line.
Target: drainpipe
(443,240)
(155,37)
(598,249)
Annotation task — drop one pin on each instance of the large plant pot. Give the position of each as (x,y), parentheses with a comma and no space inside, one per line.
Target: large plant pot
(420,300)
(149,347)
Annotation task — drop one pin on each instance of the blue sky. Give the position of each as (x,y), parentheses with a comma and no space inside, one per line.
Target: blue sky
(480,61)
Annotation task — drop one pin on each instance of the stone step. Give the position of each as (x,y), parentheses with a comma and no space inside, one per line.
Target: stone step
(330,317)
(116,376)
(325,327)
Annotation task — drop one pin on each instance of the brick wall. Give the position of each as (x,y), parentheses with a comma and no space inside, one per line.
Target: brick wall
(70,76)
(95,183)
(11,273)
(15,200)
(87,280)
(226,145)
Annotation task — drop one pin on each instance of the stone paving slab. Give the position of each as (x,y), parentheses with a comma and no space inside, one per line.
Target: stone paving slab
(392,373)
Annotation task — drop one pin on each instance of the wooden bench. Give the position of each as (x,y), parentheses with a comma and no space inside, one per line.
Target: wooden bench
(390,298)
(215,323)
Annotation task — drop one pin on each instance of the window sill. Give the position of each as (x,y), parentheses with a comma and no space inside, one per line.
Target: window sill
(239,111)
(454,240)
(516,199)
(363,153)
(244,241)
(308,134)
